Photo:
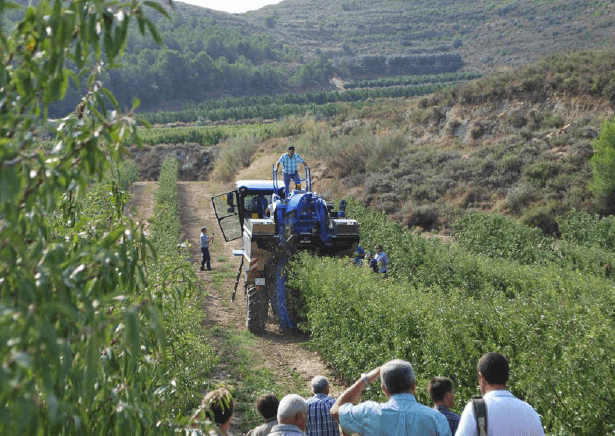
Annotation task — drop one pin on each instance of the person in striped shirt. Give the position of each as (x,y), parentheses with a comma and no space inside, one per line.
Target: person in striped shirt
(320,422)
(290,162)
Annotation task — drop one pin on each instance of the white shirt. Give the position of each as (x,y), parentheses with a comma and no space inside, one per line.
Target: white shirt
(506,416)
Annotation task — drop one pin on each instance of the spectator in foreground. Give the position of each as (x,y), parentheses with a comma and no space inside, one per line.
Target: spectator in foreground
(267,406)
(441,393)
(320,422)
(292,417)
(216,406)
(401,415)
(506,414)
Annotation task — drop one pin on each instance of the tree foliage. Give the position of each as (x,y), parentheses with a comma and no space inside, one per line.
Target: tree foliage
(81,341)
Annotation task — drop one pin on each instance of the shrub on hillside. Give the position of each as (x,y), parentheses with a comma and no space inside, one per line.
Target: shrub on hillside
(236,154)
(518,197)
(542,218)
(425,217)
(603,163)
(498,236)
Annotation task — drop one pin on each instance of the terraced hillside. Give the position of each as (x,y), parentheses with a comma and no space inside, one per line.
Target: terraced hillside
(486,34)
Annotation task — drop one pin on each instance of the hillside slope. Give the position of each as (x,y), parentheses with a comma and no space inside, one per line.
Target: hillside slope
(486,34)
(299,45)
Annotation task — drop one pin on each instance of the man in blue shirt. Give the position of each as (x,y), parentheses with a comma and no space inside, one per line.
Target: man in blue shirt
(382,259)
(320,422)
(358,260)
(441,392)
(400,416)
(290,162)
(205,240)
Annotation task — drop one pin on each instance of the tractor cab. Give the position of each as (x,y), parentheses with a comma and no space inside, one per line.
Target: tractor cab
(252,199)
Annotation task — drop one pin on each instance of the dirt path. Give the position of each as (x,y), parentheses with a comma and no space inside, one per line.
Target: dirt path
(283,354)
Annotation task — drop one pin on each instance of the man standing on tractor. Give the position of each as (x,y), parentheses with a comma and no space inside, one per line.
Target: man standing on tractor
(290,161)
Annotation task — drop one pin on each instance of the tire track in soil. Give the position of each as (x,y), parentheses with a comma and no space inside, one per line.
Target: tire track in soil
(283,354)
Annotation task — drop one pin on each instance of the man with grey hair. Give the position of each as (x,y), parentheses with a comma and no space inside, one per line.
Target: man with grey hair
(401,415)
(292,417)
(320,422)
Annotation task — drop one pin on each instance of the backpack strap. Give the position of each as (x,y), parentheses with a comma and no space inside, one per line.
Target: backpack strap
(480,413)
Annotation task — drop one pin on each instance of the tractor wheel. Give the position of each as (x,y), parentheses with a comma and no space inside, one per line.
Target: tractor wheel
(256,309)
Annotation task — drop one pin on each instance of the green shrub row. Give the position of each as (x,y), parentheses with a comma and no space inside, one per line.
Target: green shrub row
(588,229)
(204,135)
(189,355)
(278,106)
(178,135)
(443,307)
(586,245)
(413,80)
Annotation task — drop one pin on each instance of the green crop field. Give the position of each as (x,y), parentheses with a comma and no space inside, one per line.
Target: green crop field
(547,304)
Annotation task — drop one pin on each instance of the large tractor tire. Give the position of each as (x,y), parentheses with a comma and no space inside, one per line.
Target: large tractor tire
(256,309)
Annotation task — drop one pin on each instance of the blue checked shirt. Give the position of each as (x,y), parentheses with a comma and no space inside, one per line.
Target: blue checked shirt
(453,418)
(320,422)
(290,163)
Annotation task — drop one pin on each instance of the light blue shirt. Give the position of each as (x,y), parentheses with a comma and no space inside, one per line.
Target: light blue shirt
(400,416)
(383,261)
(290,164)
(204,241)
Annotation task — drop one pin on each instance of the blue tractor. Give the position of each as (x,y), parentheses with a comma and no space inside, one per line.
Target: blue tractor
(273,227)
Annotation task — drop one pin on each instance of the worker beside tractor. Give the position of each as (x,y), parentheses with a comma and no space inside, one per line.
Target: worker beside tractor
(205,241)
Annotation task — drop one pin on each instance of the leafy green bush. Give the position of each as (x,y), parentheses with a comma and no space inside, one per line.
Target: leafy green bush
(588,230)
(498,236)
(603,162)
(82,341)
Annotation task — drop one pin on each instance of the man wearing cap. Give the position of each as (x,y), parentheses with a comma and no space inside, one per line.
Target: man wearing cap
(320,422)
(401,415)
(205,240)
(290,162)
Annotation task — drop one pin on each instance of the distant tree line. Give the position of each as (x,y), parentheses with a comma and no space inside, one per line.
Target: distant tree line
(204,59)
(201,59)
(373,66)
